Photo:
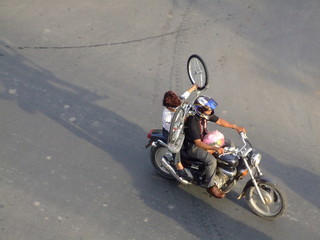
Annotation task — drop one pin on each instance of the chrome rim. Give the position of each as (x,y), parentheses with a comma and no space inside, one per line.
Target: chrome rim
(273,199)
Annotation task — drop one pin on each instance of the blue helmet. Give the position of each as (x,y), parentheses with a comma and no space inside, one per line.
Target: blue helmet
(204,103)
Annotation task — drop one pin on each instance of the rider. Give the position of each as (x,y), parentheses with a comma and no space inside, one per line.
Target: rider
(171,101)
(195,130)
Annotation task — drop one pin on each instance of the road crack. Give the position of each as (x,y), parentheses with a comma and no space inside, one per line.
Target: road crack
(102,44)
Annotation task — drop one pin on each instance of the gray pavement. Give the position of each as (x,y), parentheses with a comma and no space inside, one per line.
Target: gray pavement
(81,84)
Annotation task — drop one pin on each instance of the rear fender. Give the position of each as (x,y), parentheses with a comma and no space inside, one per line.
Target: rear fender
(156,136)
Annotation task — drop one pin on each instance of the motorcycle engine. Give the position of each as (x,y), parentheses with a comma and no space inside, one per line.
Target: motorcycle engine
(220,179)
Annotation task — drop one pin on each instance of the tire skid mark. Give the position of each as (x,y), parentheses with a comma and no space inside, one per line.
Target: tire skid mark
(176,81)
(162,58)
(101,45)
(178,34)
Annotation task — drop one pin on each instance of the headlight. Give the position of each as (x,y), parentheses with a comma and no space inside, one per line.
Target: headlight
(255,159)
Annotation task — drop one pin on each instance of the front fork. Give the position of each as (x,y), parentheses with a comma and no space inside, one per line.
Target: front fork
(254,181)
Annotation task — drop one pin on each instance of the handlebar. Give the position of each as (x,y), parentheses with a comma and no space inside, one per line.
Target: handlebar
(243,135)
(242,149)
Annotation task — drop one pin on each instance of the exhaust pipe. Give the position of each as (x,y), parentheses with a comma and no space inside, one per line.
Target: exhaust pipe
(167,166)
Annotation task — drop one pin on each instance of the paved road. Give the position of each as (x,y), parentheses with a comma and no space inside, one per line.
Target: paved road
(81,84)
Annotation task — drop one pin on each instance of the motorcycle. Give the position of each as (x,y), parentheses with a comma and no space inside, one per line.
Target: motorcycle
(263,197)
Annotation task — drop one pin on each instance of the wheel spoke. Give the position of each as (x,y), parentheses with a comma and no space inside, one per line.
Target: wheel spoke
(266,208)
(197,71)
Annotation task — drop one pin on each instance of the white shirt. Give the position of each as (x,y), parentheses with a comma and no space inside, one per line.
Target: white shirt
(166,118)
(167,114)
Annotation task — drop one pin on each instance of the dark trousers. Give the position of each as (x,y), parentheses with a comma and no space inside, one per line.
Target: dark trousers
(209,160)
(165,133)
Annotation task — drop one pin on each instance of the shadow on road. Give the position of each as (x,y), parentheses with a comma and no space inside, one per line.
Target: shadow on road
(36,90)
(299,180)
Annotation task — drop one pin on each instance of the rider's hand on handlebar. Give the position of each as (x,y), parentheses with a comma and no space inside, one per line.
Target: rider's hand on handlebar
(240,129)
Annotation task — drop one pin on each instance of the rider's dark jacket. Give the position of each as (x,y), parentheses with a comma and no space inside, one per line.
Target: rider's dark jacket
(195,128)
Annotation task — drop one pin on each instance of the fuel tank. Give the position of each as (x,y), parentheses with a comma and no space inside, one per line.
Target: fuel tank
(228,160)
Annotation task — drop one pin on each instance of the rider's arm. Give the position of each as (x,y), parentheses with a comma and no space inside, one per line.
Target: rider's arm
(207,147)
(187,93)
(226,124)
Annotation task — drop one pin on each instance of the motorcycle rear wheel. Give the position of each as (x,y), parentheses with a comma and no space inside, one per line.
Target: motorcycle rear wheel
(275,200)
(156,154)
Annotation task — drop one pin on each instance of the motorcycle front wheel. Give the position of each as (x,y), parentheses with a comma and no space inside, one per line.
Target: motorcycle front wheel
(156,155)
(275,201)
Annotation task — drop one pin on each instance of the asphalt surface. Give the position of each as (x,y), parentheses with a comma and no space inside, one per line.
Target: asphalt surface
(81,84)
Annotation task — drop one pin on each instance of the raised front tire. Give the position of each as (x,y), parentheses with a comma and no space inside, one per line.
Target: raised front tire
(156,154)
(275,201)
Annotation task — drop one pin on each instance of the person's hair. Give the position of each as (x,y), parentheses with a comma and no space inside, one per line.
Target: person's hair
(170,99)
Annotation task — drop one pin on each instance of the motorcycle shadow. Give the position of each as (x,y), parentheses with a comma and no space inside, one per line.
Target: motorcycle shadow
(295,178)
(233,197)
(201,214)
